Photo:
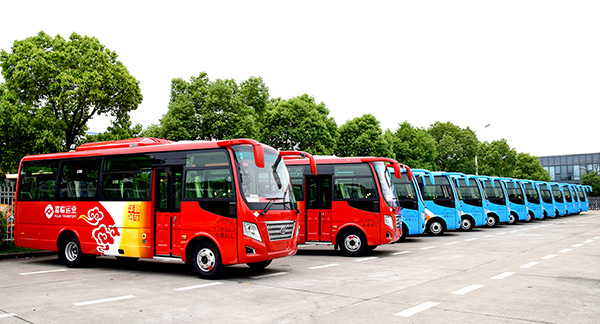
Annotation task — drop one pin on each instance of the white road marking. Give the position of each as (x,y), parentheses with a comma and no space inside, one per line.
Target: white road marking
(365,259)
(529,265)
(40,272)
(549,256)
(401,252)
(7,315)
(428,247)
(467,290)
(324,266)
(588,241)
(417,309)
(577,245)
(471,239)
(269,275)
(452,243)
(198,286)
(105,300)
(503,275)
(564,250)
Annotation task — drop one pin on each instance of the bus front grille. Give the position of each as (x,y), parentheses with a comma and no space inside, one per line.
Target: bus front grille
(280,230)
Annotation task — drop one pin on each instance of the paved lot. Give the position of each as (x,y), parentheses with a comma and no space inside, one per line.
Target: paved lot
(540,272)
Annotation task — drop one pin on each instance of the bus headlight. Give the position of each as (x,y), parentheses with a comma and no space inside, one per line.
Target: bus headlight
(251,230)
(389,221)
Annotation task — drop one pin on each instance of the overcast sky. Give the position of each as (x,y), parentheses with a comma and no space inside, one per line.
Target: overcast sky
(531,69)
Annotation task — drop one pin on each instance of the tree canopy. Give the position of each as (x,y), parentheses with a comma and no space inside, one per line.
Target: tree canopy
(592,179)
(362,136)
(414,147)
(456,147)
(69,80)
(299,124)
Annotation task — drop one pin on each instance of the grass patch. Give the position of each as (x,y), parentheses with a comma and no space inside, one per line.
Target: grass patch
(10,247)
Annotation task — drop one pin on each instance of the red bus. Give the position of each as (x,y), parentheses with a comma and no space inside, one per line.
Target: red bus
(209,204)
(351,203)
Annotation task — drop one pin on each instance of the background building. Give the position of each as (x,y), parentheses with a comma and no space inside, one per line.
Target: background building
(570,168)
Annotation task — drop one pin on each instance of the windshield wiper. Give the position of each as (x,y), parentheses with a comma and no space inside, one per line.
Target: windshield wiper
(273,199)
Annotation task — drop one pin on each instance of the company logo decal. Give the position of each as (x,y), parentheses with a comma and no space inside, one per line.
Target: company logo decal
(49,211)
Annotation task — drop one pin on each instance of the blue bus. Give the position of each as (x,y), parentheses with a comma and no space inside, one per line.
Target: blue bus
(559,199)
(517,201)
(473,207)
(441,199)
(569,202)
(534,201)
(581,190)
(547,199)
(576,200)
(411,201)
(496,199)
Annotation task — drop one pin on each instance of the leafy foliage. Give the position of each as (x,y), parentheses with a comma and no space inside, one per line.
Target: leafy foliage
(362,136)
(414,147)
(496,159)
(456,147)
(299,124)
(205,110)
(529,167)
(592,179)
(69,80)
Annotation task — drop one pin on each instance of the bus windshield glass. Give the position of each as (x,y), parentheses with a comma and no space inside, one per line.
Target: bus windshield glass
(264,187)
(387,186)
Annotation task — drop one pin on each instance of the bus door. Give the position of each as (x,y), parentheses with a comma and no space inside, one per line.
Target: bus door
(318,208)
(167,206)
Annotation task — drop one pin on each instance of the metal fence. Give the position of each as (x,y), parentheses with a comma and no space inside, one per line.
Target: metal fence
(594,203)
(7,210)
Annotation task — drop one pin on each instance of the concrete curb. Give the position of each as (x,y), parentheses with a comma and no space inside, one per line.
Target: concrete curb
(20,255)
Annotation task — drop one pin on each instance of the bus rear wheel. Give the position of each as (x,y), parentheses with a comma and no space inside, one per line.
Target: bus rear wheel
(466,224)
(352,243)
(435,227)
(512,219)
(492,221)
(206,260)
(70,252)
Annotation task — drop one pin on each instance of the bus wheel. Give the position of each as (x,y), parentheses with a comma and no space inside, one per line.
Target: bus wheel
(512,219)
(404,233)
(435,227)
(466,224)
(353,243)
(206,260)
(259,265)
(492,221)
(70,252)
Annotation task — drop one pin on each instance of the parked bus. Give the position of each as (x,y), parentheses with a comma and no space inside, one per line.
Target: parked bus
(473,207)
(209,204)
(547,199)
(534,201)
(517,201)
(559,199)
(569,199)
(442,200)
(576,201)
(581,191)
(496,199)
(414,214)
(350,203)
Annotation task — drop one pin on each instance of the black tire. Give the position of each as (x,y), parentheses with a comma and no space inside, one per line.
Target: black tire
(352,243)
(206,260)
(492,221)
(435,227)
(513,219)
(466,224)
(404,233)
(70,252)
(259,265)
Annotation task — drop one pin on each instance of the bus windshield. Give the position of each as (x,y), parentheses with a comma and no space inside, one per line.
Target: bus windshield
(262,187)
(470,191)
(387,186)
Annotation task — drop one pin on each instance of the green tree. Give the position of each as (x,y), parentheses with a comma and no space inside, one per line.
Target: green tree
(71,80)
(221,109)
(529,167)
(119,130)
(414,147)
(592,179)
(496,159)
(24,131)
(299,124)
(362,136)
(456,147)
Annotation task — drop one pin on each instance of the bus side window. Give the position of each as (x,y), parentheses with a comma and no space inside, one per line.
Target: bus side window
(38,180)
(79,179)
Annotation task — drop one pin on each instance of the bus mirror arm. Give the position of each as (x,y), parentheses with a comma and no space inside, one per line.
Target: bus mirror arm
(288,155)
